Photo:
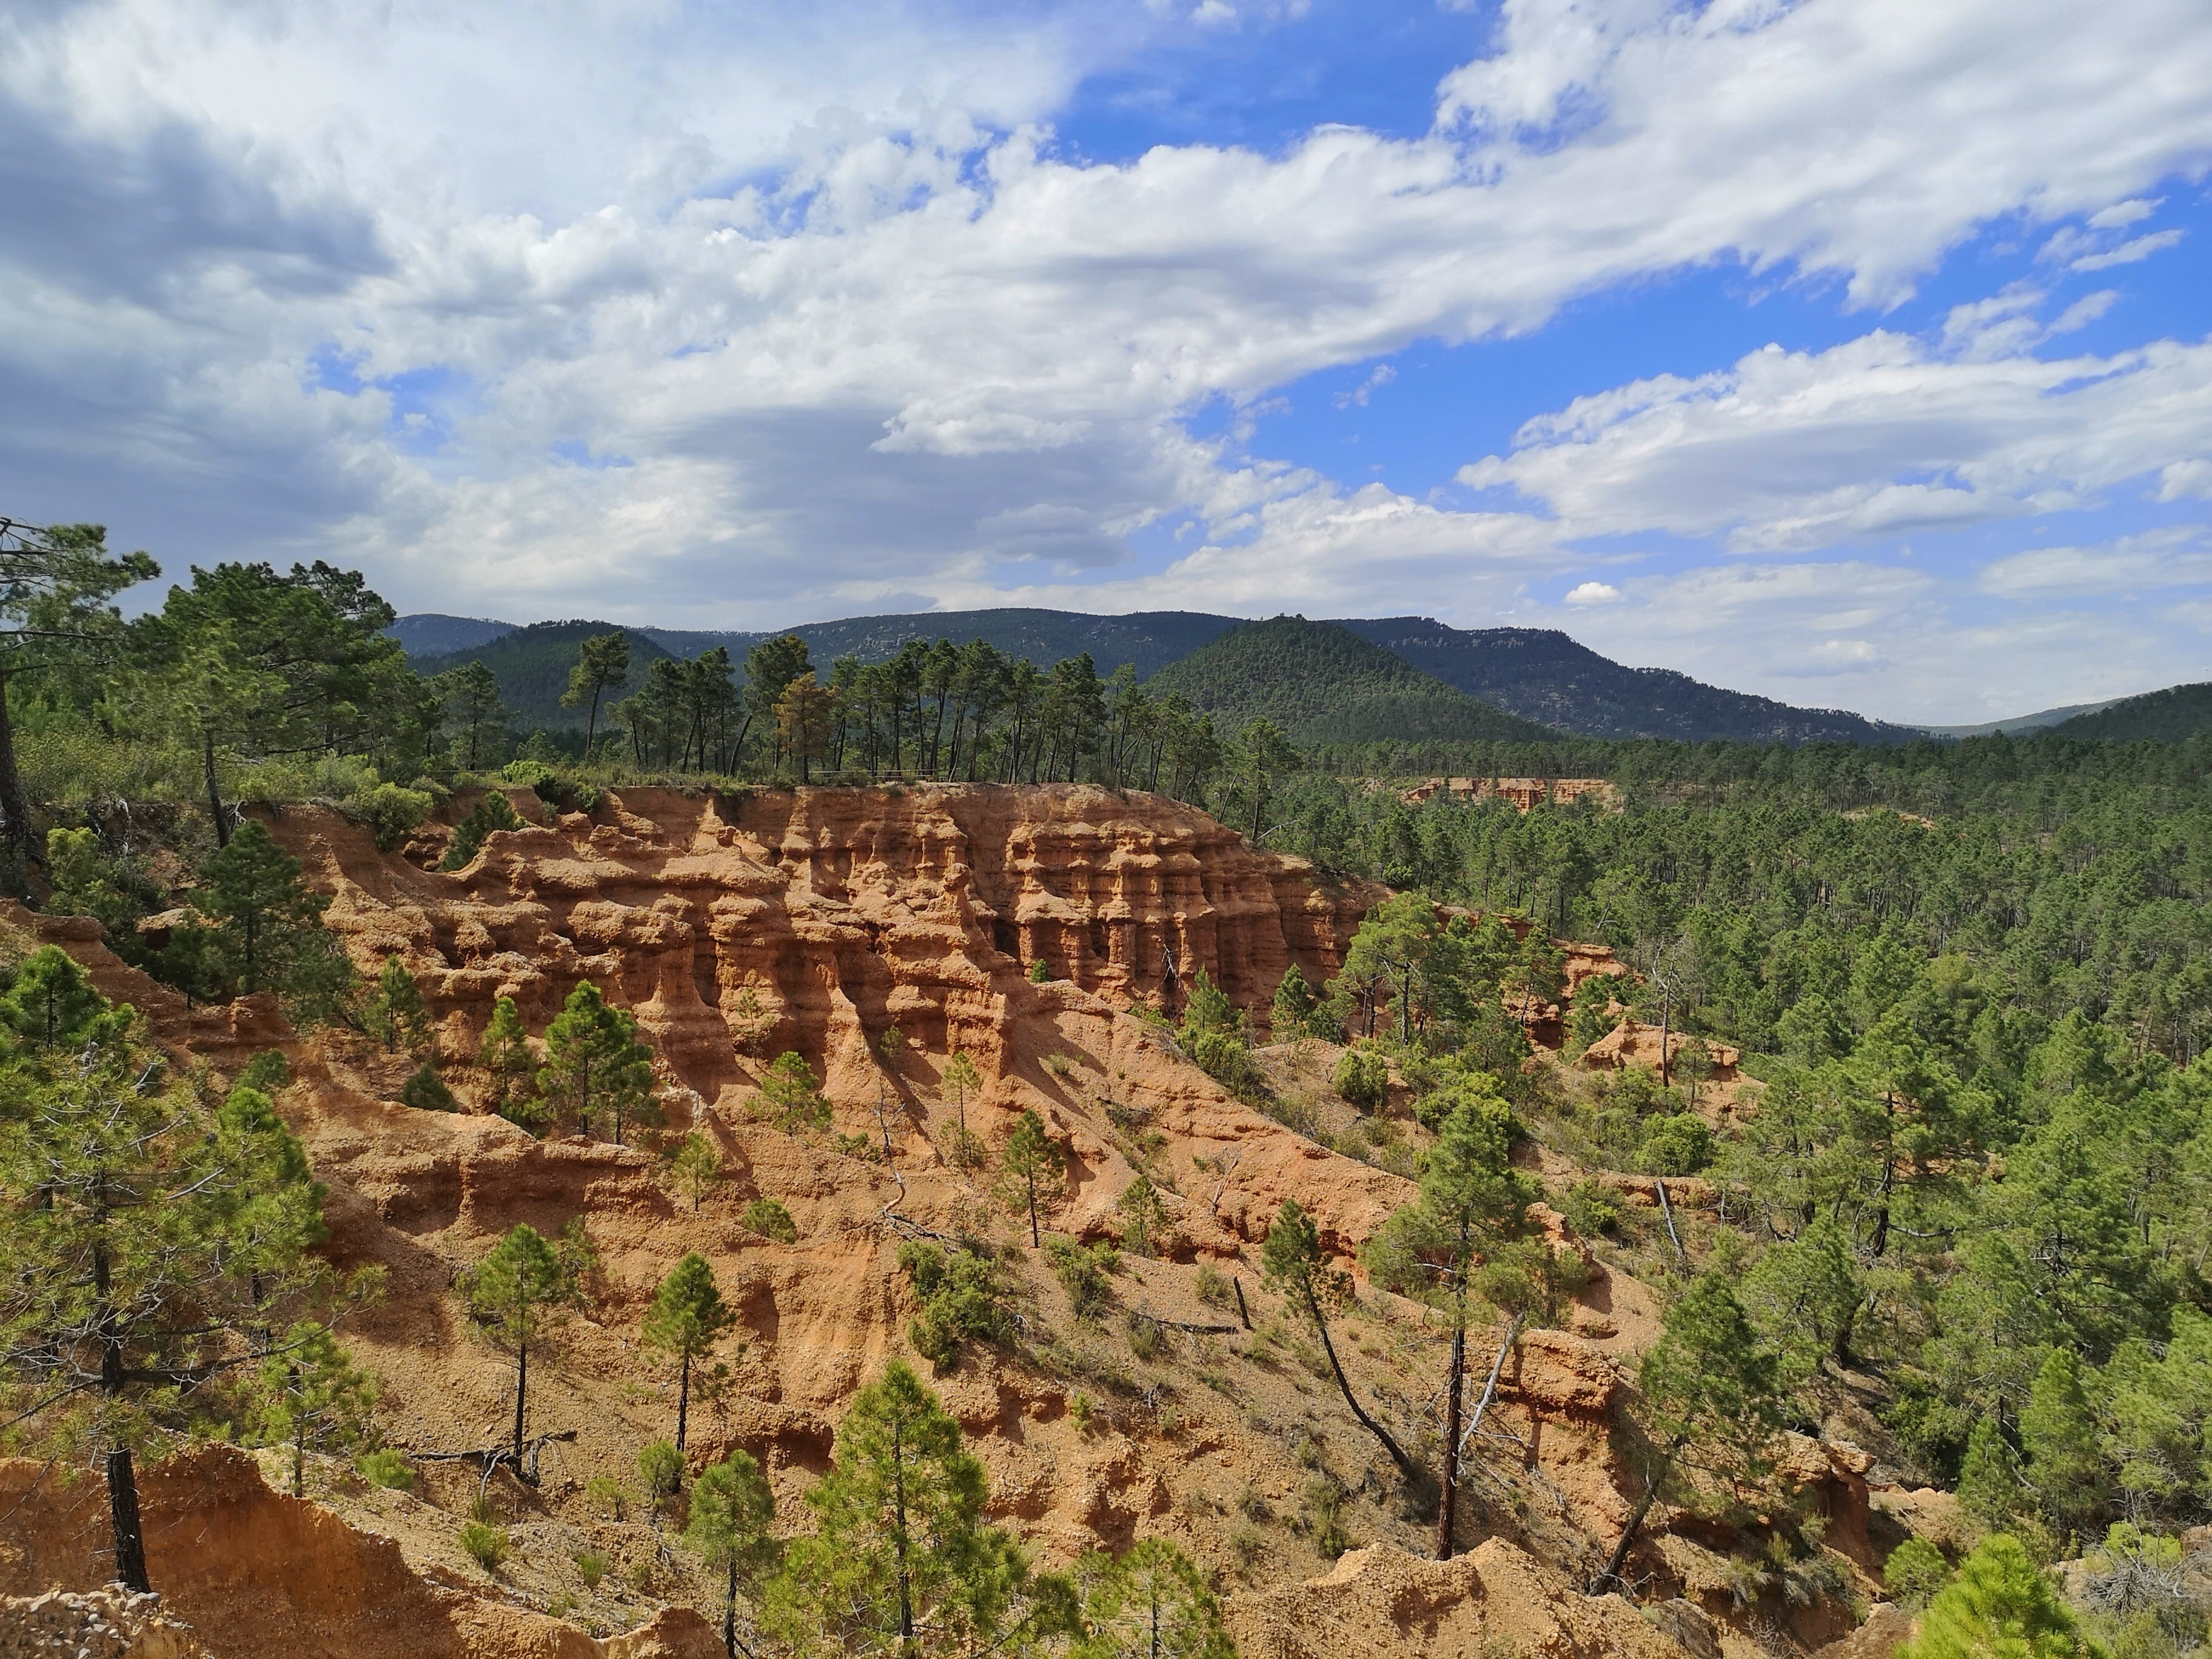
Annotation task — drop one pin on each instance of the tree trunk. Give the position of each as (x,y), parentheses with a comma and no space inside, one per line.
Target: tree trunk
(214,789)
(521,1392)
(898,1508)
(1448,1510)
(1036,1238)
(122,1516)
(1611,1575)
(1497,1368)
(14,810)
(684,1401)
(1406,1467)
(730,1615)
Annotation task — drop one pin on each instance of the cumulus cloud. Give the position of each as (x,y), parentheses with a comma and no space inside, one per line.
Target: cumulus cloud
(1880,436)
(1592,593)
(824,277)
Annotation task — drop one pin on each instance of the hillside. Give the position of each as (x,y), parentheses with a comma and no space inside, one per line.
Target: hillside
(533,664)
(1149,639)
(1541,675)
(2180,711)
(428,633)
(1323,684)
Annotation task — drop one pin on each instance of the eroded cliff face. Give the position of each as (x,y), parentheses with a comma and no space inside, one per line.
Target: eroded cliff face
(842,911)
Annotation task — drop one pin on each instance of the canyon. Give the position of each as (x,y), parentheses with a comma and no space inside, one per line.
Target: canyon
(736,927)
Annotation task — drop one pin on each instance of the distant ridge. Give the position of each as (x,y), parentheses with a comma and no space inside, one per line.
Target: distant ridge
(2180,711)
(1321,684)
(2039,720)
(427,634)
(1540,674)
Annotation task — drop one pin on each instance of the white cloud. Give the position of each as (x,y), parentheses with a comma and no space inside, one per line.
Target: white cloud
(2129,254)
(1876,437)
(2177,557)
(823,276)
(1592,593)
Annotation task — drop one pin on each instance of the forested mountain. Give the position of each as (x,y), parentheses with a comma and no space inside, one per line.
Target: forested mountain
(1322,684)
(2013,726)
(531,665)
(428,633)
(1149,639)
(2180,711)
(1541,675)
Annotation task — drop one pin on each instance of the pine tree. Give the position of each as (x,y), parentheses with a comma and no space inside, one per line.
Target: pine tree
(1711,1401)
(688,1317)
(901,1547)
(1151,1602)
(1471,1201)
(396,1014)
(1999,1604)
(1990,1487)
(804,717)
(732,1511)
(507,1054)
(1291,1260)
(148,1244)
(1293,1007)
(2059,1432)
(595,1063)
(790,1090)
(1032,1167)
(961,1077)
(312,1395)
(53,1008)
(520,1293)
(253,887)
(696,1168)
(602,664)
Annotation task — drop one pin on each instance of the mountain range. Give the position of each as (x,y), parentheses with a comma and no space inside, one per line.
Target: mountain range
(1380,677)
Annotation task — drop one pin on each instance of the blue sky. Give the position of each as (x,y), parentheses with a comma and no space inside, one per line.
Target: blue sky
(1850,351)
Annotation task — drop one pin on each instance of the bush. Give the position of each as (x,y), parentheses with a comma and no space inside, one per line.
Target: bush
(391,812)
(268,1072)
(387,1468)
(1590,1208)
(1915,1573)
(604,1493)
(1082,1271)
(1680,1144)
(660,1466)
(426,1091)
(531,774)
(1363,1078)
(490,813)
(768,1218)
(591,1567)
(1040,972)
(1213,1286)
(962,1300)
(488,1544)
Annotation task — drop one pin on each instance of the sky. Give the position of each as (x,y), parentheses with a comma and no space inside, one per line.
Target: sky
(1857,353)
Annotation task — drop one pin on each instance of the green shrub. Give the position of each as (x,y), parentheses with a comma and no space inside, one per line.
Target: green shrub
(267,1071)
(591,1567)
(492,812)
(791,1096)
(1590,1208)
(1999,1603)
(391,811)
(1363,1078)
(531,774)
(488,1544)
(426,1091)
(962,1300)
(1915,1572)
(660,1466)
(1677,1145)
(604,1493)
(385,1468)
(1040,972)
(1082,1271)
(768,1218)
(1213,1286)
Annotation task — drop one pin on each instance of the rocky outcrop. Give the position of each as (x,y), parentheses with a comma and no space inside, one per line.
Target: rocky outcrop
(840,912)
